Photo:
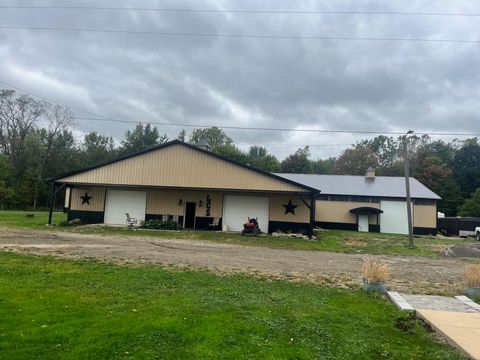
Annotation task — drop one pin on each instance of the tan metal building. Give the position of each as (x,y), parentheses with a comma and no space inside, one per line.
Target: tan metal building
(371,203)
(188,184)
(202,190)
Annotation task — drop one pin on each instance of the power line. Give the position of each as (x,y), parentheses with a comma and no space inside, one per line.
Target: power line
(318,131)
(242,36)
(183,125)
(246,11)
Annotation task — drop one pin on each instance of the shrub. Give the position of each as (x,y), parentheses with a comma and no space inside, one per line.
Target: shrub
(375,270)
(65,224)
(161,225)
(73,222)
(472,275)
(76,221)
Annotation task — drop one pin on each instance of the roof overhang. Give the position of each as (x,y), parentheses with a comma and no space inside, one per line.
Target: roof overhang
(302,187)
(366,210)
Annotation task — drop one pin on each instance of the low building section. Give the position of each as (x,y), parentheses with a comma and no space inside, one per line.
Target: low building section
(371,203)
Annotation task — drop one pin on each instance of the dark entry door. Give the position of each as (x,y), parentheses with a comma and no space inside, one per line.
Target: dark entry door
(190,215)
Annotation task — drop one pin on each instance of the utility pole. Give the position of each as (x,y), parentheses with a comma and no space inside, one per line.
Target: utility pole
(407,191)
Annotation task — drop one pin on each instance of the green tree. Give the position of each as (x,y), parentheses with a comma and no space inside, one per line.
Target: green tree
(385,148)
(6,192)
(259,158)
(214,136)
(323,166)
(141,138)
(471,206)
(467,166)
(96,148)
(355,161)
(182,135)
(298,162)
(231,152)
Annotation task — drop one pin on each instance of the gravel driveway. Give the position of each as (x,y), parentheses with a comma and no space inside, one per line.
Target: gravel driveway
(409,274)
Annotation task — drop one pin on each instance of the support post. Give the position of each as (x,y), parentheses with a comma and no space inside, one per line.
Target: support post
(312,216)
(53,194)
(407,191)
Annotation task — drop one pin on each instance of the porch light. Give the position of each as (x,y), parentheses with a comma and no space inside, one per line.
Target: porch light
(200,203)
(180,202)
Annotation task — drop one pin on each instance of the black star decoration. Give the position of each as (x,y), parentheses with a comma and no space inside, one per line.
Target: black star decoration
(85,199)
(289,208)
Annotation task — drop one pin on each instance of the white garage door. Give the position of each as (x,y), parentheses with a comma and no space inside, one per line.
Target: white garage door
(394,218)
(120,202)
(237,210)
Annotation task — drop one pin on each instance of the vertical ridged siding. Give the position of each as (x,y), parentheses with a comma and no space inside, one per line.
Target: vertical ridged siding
(180,166)
(425,216)
(339,211)
(97,202)
(277,210)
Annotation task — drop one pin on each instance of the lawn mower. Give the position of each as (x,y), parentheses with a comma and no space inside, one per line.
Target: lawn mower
(251,227)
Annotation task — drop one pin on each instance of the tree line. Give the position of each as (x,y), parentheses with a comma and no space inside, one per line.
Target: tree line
(37,142)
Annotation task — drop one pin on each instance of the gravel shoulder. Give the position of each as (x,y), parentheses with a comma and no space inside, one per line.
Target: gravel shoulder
(409,274)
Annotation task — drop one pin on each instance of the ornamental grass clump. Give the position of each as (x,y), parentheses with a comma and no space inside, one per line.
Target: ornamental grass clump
(472,276)
(375,270)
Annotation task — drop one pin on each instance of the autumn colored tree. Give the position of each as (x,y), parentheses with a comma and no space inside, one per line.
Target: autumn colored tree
(438,178)
(298,163)
(355,161)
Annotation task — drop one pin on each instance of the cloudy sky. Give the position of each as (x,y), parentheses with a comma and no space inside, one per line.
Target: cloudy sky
(252,82)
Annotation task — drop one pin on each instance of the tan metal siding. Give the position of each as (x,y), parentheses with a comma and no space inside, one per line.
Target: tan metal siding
(339,211)
(425,216)
(180,166)
(97,202)
(277,210)
(166,202)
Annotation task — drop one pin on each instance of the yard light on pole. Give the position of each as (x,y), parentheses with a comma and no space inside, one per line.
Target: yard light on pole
(407,191)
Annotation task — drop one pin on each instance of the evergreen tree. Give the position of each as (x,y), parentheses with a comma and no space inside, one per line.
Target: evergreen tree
(471,207)
(141,138)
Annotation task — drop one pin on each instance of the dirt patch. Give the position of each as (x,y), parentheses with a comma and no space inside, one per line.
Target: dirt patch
(467,251)
(409,274)
(355,243)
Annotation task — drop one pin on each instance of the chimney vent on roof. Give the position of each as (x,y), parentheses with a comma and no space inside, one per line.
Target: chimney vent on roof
(370,174)
(202,144)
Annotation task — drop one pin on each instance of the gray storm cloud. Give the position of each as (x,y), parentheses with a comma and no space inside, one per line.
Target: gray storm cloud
(356,85)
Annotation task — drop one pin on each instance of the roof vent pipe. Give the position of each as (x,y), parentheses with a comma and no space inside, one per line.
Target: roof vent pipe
(202,144)
(370,174)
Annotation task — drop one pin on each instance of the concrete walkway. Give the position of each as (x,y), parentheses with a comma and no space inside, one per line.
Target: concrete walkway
(461,329)
(456,318)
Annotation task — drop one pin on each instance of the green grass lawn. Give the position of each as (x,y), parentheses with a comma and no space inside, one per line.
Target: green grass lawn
(336,240)
(63,309)
(20,219)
